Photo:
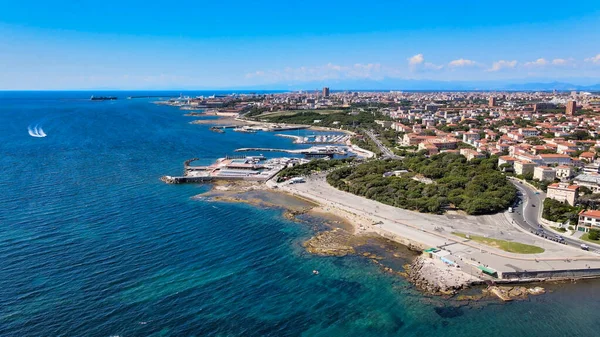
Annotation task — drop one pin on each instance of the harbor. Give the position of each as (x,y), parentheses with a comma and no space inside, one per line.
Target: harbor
(250,168)
(315,151)
(318,139)
(267,127)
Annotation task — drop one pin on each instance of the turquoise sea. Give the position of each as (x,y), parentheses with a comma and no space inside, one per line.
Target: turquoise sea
(93,244)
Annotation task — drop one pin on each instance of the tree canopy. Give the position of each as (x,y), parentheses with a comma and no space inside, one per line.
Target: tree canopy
(431,184)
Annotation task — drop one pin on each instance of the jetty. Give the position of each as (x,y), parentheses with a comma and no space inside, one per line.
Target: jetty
(315,151)
(317,139)
(253,168)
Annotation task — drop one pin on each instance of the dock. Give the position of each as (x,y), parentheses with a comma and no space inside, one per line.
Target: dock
(315,151)
(251,168)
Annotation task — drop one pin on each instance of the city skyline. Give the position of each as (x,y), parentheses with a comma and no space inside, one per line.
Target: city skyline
(277,45)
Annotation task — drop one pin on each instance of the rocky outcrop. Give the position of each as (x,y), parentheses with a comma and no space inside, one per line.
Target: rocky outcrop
(336,242)
(435,278)
(507,293)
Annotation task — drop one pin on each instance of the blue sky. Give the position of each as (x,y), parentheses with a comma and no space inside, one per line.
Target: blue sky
(197,44)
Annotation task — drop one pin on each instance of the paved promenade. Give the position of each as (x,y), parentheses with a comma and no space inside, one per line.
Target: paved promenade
(430,230)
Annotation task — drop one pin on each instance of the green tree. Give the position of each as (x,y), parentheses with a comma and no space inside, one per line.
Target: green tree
(594,234)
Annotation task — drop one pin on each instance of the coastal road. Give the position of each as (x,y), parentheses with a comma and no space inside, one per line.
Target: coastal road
(528,212)
(387,153)
(431,230)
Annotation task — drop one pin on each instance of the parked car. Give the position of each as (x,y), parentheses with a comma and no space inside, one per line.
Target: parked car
(585,247)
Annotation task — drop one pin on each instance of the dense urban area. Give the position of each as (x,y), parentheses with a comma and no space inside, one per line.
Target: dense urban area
(451,141)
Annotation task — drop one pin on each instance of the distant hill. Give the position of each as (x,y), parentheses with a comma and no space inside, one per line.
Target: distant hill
(407,84)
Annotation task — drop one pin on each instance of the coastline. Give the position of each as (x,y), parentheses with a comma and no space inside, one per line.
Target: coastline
(346,232)
(556,264)
(341,233)
(419,231)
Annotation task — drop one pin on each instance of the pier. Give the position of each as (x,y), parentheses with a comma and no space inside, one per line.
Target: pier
(317,139)
(315,151)
(252,168)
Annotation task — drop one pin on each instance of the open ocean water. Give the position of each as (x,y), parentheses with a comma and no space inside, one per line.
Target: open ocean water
(93,244)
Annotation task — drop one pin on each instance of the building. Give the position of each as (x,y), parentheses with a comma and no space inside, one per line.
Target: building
(591,181)
(564,172)
(543,106)
(325,91)
(469,137)
(543,173)
(591,168)
(437,144)
(555,159)
(471,154)
(563,192)
(522,167)
(529,132)
(588,220)
(588,157)
(571,107)
(506,160)
(492,102)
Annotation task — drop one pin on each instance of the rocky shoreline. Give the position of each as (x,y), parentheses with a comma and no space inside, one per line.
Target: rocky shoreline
(435,278)
(340,235)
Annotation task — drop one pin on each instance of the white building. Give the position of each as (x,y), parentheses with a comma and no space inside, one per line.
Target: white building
(564,172)
(588,220)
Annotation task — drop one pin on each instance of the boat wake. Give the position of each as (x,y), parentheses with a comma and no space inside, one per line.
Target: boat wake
(36,131)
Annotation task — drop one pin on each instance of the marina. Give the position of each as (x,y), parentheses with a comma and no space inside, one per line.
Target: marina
(251,168)
(260,127)
(315,151)
(318,139)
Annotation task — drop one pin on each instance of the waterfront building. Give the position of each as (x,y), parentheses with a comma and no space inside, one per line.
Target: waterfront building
(325,91)
(563,192)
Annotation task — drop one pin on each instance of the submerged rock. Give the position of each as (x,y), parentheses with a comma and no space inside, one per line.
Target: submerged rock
(336,242)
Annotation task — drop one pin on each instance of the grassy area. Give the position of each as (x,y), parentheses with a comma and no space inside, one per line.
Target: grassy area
(586,237)
(507,246)
(562,230)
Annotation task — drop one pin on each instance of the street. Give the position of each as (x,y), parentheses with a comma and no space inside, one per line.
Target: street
(527,216)
(386,153)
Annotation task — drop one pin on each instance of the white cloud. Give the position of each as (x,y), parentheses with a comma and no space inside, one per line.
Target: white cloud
(560,62)
(502,64)
(417,63)
(461,63)
(594,59)
(537,63)
(416,60)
